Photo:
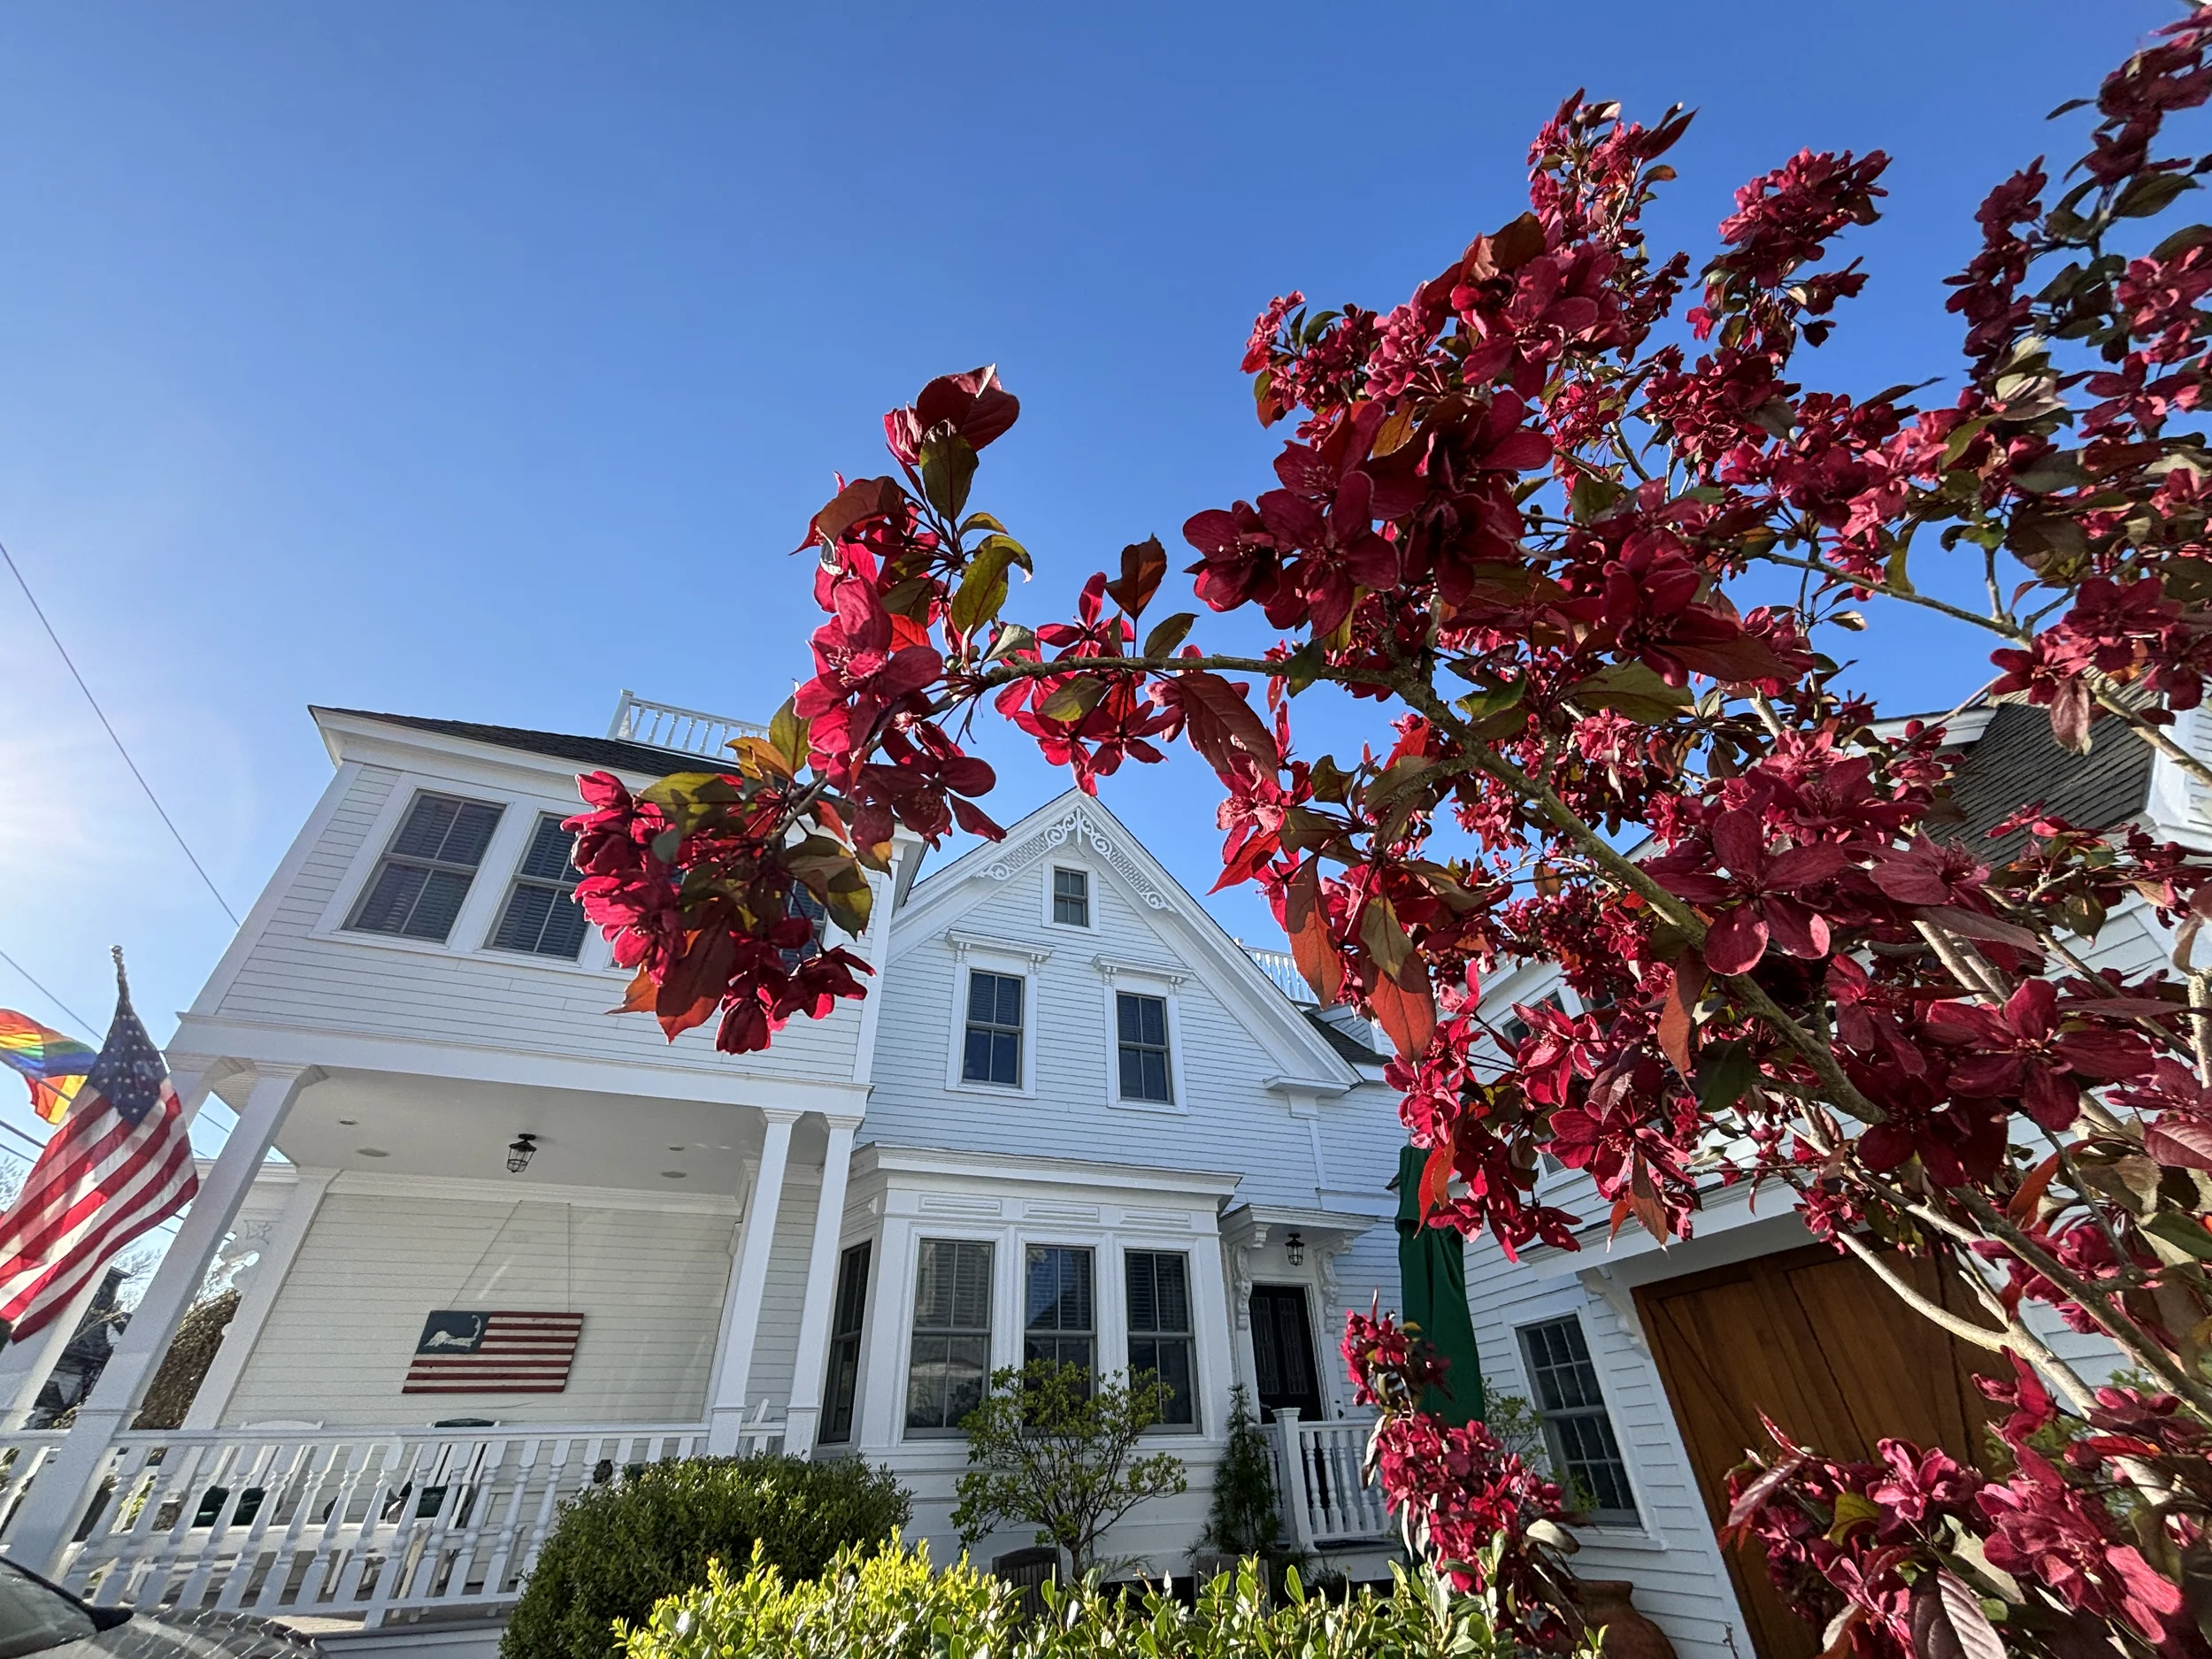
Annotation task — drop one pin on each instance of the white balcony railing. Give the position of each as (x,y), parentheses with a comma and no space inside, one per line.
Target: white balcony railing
(688,731)
(379,1524)
(1278,966)
(1326,1500)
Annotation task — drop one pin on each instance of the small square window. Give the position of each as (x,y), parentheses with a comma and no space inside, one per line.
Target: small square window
(542,916)
(425,873)
(1142,1033)
(992,1052)
(1072,897)
(1577,1428)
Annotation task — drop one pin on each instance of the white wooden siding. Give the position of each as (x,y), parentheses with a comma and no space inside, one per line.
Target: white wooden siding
(649,1284)
(1228,1119)
(322,981)
(777,1346)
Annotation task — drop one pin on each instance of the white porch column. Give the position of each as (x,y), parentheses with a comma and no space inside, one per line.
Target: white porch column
(25,1366)
(748,1282)
(264,1279)
(56,1499)
(802,1416)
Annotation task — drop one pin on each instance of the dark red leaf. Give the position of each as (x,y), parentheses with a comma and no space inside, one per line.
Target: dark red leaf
(1143,566)
(1220,723)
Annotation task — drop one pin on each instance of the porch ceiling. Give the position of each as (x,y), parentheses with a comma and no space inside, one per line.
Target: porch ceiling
(433,1126)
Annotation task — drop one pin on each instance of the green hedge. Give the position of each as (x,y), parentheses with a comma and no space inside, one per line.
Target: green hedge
(617,1549)
(891,1605)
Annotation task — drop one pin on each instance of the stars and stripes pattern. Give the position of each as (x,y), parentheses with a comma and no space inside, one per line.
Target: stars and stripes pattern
(465,1353)
(119,1165)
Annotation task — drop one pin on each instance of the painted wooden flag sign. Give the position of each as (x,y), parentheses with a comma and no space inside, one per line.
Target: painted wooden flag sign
(462,1352)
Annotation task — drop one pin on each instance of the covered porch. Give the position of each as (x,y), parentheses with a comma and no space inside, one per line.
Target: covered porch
(316,1472)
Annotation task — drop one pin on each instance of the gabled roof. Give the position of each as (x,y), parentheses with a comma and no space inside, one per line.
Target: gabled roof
(940,897)
(2016,762)
(612,753)
(1342,1040)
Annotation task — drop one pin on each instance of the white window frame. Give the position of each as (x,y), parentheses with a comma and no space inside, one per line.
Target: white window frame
(928,1230)
(1143,980)
(1090,892)
(973,954)
(1125,1248)
(516,880)
(1610,1520)
(469,940)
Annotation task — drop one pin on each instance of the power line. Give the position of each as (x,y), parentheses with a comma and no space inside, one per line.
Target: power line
(83,1024)
(38,611)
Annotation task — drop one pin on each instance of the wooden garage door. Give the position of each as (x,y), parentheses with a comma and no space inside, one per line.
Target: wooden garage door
(1828,1351)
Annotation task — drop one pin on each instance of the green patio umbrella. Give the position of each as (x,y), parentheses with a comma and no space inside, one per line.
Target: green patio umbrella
(1434,1275)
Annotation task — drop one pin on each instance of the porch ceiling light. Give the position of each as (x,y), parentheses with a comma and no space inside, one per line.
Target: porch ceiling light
(520,1150)
(1294,1248)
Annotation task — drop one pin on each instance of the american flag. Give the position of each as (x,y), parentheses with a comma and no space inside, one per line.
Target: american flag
(120,1163)
(461,1352)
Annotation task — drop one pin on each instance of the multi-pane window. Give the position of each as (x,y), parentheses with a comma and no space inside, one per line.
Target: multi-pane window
(1072,897)
(1160,1329)
(846,1316)
(425,873)
(1578,1430)
(993,1053)
(1059,1318)
(1142,1022)
(951,1360)
(543,916)
(800,901)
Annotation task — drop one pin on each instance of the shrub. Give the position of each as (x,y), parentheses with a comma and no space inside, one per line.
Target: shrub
(1055,1447)
(892,1606)
(617,1549)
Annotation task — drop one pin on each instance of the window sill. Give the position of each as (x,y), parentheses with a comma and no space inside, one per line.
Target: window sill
(1001,1091)
(1157,1108)
(484,955)
(1620,1535)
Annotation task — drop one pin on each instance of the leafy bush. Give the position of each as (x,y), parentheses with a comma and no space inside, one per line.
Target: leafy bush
(1053,1445)
(892,1606)
(617,1549)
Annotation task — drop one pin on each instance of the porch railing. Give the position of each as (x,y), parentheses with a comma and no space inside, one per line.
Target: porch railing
(383,1524)
(1325,1499)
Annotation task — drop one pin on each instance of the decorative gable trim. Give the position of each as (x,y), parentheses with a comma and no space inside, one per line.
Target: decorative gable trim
(990,944)
(1080,825)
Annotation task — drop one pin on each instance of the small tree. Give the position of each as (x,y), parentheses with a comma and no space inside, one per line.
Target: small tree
(1246,1519)
(1050,1446)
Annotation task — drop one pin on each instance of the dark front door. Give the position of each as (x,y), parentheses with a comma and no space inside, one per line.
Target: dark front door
(1815,1341)
(1282,1351)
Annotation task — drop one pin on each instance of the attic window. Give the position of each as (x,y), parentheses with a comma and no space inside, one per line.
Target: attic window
(425,873)
(1072,897)
(542,916)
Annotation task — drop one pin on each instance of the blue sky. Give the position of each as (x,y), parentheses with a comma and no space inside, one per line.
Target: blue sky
(482,361)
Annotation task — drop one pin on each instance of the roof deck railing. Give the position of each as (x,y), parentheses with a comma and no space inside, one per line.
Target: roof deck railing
(1280,967)
(686,730)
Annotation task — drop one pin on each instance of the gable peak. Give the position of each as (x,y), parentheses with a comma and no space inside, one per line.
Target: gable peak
(1079,821)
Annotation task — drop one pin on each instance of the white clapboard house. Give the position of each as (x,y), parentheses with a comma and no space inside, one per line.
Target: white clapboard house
(1651,1366)
(512,1245)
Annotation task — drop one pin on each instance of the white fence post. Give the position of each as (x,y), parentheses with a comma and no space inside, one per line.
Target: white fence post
(1295,1498)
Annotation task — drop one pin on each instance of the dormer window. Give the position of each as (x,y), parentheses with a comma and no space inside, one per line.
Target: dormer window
(1072,897)
(542,916)
(425,873)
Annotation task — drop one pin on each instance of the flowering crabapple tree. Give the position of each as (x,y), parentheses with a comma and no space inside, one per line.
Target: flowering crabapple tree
(1580,560)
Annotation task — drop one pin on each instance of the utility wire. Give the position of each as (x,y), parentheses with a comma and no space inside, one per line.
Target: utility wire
(38,611)
(83,1024)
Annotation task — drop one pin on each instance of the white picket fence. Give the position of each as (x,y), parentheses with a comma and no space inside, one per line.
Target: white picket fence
(381,1524)
(1325,1498)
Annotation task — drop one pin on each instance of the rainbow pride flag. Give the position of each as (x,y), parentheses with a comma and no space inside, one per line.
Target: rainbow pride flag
(52,1064)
